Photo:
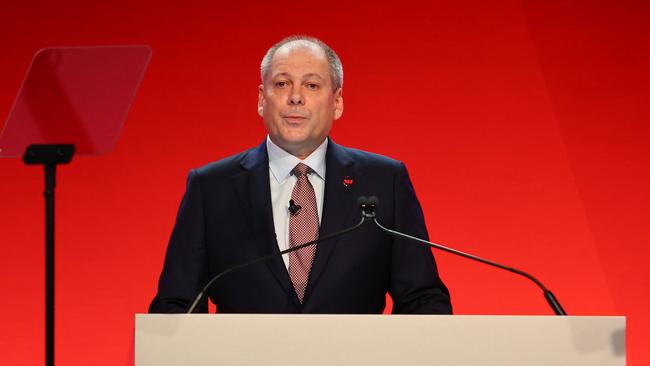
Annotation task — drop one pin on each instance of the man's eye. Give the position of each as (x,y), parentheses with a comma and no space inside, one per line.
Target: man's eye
(281,84)
(312,86)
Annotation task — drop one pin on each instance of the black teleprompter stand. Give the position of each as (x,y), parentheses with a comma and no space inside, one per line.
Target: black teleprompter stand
(49,156)
(62,109)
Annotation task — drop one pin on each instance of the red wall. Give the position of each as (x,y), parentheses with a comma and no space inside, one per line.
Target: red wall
(524,125)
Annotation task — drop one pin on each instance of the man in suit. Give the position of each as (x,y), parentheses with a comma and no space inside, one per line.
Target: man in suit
(292,188)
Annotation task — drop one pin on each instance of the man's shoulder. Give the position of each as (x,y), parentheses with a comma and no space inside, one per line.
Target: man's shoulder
(231,165)
(367,158)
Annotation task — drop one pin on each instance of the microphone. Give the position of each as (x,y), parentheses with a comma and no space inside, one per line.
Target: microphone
(267,257)
(370,204)
(293,208)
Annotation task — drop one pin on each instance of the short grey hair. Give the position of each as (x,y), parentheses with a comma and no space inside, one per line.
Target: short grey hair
(336,67)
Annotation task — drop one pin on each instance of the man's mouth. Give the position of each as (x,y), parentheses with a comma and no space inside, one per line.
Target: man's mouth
(295,114)
(294,118)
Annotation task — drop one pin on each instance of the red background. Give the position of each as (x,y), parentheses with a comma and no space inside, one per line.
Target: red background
(524,125)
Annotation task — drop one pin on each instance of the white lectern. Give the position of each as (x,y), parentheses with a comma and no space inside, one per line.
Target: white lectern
(377,340)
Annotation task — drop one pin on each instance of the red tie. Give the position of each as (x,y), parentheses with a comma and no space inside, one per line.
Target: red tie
(303,227)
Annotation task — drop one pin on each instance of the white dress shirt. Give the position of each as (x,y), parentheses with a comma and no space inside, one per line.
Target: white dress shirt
(281,163)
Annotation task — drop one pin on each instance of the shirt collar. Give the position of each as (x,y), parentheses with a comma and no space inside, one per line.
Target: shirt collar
(281,162)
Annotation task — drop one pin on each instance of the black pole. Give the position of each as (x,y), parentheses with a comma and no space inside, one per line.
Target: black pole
(49,156)
(50,185)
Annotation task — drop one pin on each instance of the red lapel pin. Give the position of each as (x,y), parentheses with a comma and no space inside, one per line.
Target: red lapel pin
(348,181)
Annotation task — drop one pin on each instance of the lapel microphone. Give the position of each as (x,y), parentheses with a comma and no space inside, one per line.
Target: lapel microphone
(294,208)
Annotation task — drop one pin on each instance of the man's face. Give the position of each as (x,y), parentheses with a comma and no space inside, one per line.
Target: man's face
(297,100)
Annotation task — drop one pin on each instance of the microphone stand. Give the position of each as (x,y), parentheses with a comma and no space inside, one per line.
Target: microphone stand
(270,256)
(368,207)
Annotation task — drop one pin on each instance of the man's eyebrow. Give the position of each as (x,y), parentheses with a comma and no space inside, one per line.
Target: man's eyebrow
(311,75)
(281,74)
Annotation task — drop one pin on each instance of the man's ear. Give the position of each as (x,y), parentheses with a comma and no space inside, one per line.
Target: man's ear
(260,100)
(338,104)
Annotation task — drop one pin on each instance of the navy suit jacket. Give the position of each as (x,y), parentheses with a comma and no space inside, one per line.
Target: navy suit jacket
(226,218)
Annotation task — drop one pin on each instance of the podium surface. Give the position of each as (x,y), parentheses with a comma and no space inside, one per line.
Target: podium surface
(237,339)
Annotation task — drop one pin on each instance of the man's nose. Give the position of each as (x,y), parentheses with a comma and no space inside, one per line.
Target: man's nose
(296,97)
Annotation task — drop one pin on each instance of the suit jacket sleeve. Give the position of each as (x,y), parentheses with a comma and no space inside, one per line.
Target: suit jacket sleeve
(415,285)
(185,268)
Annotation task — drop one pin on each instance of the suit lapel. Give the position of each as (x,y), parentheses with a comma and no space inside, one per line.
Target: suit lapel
(338,202)
(258,189)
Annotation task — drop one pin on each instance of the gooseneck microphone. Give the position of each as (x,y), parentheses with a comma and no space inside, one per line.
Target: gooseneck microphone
(265,258)
(368,206)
